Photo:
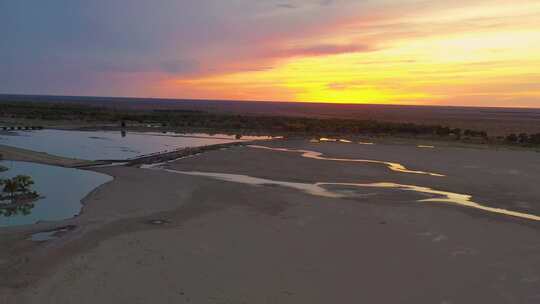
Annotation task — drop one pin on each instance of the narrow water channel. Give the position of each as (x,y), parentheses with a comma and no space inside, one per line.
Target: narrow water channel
(318,155)
(323,189)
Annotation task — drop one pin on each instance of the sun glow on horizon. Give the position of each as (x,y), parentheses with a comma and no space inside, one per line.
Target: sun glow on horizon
(481,56)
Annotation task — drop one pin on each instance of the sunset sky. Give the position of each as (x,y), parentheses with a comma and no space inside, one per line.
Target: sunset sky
(460,52)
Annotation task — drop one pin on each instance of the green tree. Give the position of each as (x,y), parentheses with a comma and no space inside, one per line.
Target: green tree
(24,183)
(10,187)
(16,188)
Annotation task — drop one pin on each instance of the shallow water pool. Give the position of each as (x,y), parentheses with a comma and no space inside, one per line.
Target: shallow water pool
(108,145)
(62,190)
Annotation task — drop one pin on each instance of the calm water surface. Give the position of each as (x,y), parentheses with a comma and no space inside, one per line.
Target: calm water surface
(326,189)
(62,190)
(100,145)
(397,167)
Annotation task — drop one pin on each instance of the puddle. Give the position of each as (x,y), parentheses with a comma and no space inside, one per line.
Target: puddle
(325,139)
(318,155)
(158,222)
(318,189)
(50,235)
(61,191)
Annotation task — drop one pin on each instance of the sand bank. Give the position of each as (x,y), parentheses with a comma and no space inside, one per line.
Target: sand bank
(225,242)
(18,154)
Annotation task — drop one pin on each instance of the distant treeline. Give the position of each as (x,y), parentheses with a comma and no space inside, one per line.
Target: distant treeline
(524,139)
(222,122)
(51,112)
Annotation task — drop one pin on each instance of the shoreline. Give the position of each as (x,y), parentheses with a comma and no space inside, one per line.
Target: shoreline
(20,154)
(382,138)
(25,155)
(10,153)
(387,139)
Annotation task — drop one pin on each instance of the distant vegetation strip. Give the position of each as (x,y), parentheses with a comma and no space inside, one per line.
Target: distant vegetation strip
(223,122)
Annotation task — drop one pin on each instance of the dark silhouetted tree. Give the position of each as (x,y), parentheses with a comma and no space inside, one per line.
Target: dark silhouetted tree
(512,138)
(523,138)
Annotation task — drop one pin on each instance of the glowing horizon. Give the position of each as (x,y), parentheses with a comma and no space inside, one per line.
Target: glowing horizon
(465,53)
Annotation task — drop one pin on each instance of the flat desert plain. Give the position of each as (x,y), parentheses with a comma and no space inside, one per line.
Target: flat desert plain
(256,225)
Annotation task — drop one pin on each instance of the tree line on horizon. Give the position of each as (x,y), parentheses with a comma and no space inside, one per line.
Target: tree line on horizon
(234,123)
(523,138)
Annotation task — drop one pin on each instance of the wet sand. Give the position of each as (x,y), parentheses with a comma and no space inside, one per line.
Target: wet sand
(227,242)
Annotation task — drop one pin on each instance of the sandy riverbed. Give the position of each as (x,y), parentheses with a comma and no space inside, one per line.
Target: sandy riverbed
(226,242)
(18,154)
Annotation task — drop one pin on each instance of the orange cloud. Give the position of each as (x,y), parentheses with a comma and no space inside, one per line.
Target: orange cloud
(471,54)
